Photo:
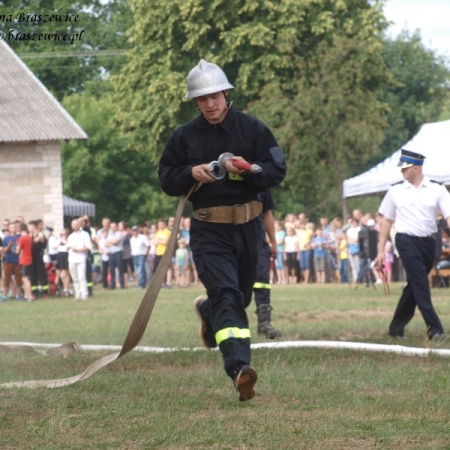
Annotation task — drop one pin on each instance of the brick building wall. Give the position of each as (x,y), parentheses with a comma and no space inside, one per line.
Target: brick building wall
(31,182)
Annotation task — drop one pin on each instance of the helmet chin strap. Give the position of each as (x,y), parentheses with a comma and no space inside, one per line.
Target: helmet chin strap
(229,104)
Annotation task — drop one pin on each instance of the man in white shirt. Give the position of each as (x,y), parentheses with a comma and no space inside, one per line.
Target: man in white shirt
(78,246)
(414,204)
(114,244)
(140,246)
(103,233)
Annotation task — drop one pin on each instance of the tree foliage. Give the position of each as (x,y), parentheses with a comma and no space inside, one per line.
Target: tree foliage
(332,124)
(338,95)
(269,51)
(99,26)
(419,92)
(105,170)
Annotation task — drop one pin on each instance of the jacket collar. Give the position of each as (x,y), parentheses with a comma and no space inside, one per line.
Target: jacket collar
(225,124)
(425,183)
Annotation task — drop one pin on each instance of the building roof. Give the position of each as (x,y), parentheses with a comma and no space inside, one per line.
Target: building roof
(28,111)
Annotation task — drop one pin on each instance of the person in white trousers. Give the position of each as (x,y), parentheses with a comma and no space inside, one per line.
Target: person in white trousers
(78,245)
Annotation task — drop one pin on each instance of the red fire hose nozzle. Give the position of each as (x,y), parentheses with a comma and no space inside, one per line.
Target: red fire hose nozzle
(243,165)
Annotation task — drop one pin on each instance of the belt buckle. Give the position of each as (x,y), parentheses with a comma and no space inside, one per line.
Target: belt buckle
(235,209)
(203,214)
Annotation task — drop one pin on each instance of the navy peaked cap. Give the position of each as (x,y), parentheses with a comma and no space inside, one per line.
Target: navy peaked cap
(408,159)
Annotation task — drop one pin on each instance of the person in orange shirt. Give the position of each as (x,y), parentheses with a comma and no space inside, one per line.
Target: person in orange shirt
(25,260)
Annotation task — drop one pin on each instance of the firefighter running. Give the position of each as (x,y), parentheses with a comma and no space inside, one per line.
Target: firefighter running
(225,229)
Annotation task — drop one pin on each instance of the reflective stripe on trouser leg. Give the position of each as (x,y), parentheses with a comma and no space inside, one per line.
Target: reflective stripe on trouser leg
(232,332)
(226,256)
(262,287)
(90,284)
(259,285)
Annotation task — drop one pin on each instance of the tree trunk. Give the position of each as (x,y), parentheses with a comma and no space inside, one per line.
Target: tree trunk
(343,203)
(340,183)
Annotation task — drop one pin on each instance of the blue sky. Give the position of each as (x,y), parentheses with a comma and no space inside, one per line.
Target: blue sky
(431,17)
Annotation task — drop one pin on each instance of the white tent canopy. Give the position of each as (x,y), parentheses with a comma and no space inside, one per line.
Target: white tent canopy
(432,141)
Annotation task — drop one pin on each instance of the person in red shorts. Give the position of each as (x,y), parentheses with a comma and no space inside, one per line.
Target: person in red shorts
(25,260)
(11,265)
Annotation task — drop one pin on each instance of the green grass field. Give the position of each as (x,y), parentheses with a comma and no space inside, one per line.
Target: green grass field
(306,398)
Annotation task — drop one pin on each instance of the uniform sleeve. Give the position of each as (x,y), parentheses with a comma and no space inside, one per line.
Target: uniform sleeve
(267,154)
(266,199)
(387,207)
(269,201)
(175,173)
(444,203)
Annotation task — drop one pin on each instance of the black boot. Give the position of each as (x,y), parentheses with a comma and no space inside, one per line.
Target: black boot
(264,325)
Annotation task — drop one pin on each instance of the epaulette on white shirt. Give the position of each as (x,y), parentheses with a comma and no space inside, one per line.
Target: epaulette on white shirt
(415,209)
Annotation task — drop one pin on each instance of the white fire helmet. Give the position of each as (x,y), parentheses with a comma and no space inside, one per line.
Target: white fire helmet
(206,78)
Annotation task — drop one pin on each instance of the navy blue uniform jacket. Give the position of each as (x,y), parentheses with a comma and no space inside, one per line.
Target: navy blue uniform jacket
(199,142)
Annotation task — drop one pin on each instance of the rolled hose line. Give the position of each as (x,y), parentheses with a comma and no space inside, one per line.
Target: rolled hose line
(334,345)
(142,316)
(137,327)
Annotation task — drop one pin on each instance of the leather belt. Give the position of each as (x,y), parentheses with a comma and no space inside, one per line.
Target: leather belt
(237,214)
(419,238)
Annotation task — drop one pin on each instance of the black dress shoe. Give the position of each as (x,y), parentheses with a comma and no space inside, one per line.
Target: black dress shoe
(398,337)
(439,337)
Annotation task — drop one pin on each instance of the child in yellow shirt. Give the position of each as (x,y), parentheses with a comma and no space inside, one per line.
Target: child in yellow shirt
(343,257)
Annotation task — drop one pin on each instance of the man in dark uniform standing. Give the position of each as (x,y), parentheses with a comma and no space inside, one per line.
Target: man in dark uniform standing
(39,278)
(225,230)
(414,204)
(85,226)
(262,286)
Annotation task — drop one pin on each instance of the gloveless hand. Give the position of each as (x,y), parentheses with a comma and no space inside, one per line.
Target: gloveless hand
(202,173)
(229,167)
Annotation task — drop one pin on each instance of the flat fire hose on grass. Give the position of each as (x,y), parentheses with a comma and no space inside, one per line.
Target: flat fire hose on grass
(138,325)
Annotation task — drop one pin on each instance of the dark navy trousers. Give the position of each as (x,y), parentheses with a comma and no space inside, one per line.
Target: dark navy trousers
(225,257)
(417,255)
(116,261)
(261,288)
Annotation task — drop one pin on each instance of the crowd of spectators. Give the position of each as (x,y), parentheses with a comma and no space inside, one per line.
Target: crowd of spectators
(113,256)
(329,251)
(37,263)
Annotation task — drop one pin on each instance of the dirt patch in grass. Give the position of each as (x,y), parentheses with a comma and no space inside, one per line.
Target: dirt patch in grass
(349,444)
(77,312)
(156,366)
(349,315)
